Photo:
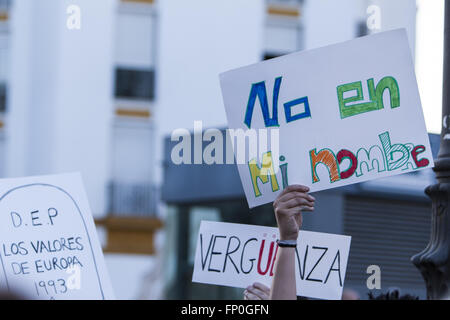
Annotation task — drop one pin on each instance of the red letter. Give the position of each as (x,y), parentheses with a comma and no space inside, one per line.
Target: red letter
(415,152)
(273,263)
(353,163)
(268,260)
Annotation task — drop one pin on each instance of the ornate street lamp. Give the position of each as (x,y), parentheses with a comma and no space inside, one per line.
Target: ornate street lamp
(434,261)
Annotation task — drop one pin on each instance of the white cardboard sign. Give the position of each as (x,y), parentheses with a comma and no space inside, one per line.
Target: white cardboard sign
(237,255)
(339,115)
(49,247)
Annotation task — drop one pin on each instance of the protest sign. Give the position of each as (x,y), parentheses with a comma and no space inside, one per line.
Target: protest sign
(238,255)
(336,115)
(48,242)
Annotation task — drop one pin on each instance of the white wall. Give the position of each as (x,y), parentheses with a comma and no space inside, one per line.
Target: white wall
(329,21)
(60,116)
(134,43)
(399,14)
(61,106)
(133,147)
(429,60)
(61,90)
(20,88)
(199,39)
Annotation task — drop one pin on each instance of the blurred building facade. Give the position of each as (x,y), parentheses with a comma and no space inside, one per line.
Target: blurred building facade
(388,220)
(102,99)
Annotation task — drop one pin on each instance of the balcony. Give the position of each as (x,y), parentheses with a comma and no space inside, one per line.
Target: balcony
(132,221)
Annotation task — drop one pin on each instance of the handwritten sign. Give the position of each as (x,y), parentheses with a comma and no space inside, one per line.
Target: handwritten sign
(48,242)
(238,255)
(342,114)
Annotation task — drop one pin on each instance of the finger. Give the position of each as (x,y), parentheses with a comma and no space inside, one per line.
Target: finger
(261,287)
(295,211)
(251,296)
(295,202)
(259,293)
(294,187)
(307,208)
(296,194)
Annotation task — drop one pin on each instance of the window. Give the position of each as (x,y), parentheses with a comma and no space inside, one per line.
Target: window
(135,84)
(284,28)
(268,56)
(285,2)
(3,90)
(5,5)
(361,29)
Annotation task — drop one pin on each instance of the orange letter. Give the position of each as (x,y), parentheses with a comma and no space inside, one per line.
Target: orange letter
(326,157)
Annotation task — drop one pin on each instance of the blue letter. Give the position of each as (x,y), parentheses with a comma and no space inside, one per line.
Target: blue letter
(289,105)
(259,90)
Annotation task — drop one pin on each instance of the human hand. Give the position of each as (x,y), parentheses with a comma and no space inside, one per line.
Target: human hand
(257,291)
(288,207)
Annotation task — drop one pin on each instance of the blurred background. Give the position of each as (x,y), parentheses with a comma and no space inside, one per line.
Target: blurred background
(103,100)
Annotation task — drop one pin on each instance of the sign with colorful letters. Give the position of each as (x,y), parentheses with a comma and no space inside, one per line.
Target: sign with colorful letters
(238,255)
(49,247)
(345,113)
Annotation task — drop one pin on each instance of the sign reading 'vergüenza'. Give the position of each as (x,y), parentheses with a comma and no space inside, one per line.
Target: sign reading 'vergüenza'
(238,255)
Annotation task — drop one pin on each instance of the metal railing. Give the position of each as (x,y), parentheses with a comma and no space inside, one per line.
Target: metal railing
(133,200)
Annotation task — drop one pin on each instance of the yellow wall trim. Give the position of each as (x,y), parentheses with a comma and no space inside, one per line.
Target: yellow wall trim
(4,16)
(130,235)
(137,113)
(140,1)
(282,11)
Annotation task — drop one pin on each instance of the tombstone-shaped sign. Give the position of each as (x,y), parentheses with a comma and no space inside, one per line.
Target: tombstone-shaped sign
(49,247)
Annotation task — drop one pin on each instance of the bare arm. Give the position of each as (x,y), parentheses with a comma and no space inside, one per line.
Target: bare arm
(288,207)
(283,283)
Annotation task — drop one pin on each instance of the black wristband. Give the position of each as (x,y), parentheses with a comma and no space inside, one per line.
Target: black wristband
(287,243)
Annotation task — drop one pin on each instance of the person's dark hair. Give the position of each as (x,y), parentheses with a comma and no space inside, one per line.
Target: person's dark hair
(5,295)
(392,294)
